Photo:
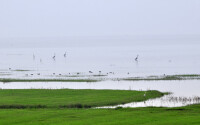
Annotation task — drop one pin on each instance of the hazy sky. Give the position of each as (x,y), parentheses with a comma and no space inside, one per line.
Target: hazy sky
(61,18)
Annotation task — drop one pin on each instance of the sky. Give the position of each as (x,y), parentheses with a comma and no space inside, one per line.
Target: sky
(66,18)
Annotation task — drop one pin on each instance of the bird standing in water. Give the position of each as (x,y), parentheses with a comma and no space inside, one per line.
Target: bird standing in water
(65,54)
(136,59)
(54,57)
(33,56)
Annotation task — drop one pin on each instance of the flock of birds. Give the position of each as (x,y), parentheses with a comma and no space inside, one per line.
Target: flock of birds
(53,57)
(65,55)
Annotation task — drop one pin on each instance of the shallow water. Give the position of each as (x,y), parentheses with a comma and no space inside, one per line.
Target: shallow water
(178,88)
(155,58)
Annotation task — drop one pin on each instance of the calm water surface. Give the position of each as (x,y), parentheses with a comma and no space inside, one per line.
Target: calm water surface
(154,59)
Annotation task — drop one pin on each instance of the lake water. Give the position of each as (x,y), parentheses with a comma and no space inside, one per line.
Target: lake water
(155,58)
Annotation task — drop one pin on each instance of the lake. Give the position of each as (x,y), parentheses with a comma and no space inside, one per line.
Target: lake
(112,59)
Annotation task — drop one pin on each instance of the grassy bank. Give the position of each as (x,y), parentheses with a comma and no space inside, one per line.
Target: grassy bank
(96,78)
(46,80)
(55,107)
(67,98)
(166,77)
(189,115)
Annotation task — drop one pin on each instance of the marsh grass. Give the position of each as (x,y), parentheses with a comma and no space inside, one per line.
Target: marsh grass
(99,75)
(6,80)
(21,70)
(188,75)
(194,99)
(18,106)
(78,105)
(81,75)
(167,77)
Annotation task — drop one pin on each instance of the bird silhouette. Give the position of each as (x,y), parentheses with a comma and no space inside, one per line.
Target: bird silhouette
(136,59)
(65,54)
(54,57)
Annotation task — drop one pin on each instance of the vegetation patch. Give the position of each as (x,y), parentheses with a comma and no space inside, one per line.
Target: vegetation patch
(166,77)
(99,75)
(46,80)
(21,106)
(188,115)
(75,106)
(69,98)
(45,106)
(188,75)
(21,70)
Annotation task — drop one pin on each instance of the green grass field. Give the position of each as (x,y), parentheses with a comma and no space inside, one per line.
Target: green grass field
(58,107)
(66,98)
(189,115)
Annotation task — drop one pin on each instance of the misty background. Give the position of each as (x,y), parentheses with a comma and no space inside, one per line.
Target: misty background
(98,21)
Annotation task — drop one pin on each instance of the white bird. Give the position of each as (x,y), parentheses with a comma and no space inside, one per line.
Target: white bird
(145,94)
